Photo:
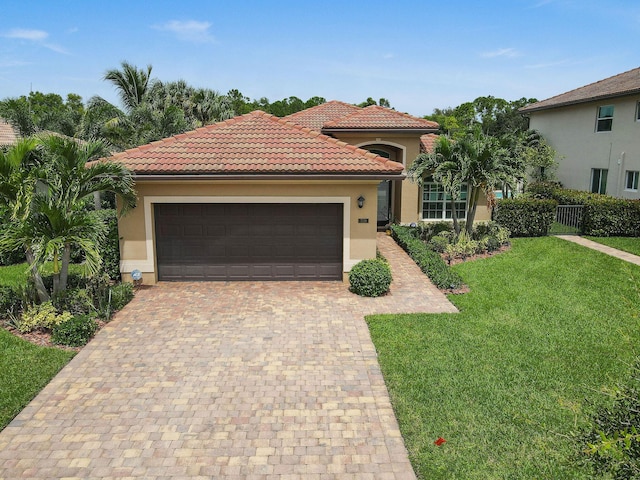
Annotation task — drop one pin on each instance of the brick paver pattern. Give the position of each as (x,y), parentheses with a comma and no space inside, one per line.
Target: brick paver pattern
(239,380)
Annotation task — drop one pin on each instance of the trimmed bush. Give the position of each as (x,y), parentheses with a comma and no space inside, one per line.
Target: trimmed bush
(603,215)
(10,300)
(74,332)
(525,217)
(370,278)
(429,261)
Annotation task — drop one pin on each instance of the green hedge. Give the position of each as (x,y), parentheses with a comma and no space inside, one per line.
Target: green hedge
(525,217)
(430,262)
(110,251)
(603,215)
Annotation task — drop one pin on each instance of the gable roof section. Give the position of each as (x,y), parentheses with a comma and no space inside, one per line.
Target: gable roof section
(315,117)
(8,135)
(254,144)
(627,83)
(375,117)
(427,142)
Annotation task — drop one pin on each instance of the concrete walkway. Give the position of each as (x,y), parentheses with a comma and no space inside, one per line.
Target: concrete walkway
(240,380)
(585,242)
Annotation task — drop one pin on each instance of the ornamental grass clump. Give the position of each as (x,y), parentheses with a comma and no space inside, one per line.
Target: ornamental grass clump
(370,278)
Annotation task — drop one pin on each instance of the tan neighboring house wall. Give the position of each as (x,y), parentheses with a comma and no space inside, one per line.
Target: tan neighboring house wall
(571,131)
(137,227)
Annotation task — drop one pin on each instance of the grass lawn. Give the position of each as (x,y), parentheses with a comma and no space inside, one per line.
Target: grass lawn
(545,326)
(24,368)
(627,244)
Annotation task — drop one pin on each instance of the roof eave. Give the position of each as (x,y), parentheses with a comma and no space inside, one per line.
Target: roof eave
(258,176)
(420,131)
(532,108)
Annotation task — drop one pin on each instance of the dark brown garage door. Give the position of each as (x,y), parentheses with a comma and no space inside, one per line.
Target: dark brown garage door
(249,241)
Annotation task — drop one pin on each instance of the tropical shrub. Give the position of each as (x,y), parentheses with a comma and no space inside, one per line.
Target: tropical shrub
(370,278)
(74,332)
(110,249)
(525,217)
(121,294)
(10,300)
(430,262)
(43,316)
(76,301)
(611,442)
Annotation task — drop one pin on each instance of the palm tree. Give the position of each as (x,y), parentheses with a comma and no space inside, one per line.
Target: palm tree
(49,198)
(444,166)
(131,83)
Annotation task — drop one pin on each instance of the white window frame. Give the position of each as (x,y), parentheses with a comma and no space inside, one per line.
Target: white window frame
(634,176)
(600,189)
(445,202)
(602,118)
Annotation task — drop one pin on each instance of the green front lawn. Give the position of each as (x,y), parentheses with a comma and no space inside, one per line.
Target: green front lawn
(24,370)
(627,244)
(504,382)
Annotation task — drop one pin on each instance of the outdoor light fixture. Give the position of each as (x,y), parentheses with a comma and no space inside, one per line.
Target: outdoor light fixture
(360,201)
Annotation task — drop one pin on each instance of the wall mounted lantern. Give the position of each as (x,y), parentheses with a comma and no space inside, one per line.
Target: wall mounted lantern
(360,201)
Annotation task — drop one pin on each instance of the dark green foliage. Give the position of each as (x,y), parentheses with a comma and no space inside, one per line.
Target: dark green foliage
(429,261)
(77,301)
(110,249)
(603,215)
(439,243)
(525,217)
(370,278)
(75,332)
(611,443)
(121,294)
(10,300)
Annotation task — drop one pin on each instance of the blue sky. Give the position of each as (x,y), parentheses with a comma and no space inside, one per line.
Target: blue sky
(419,55)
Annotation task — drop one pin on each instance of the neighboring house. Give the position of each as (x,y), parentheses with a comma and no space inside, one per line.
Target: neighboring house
(595,130)
(8,135)
(258,197)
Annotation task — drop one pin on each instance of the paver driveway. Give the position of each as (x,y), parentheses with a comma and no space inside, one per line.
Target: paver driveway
(236,381)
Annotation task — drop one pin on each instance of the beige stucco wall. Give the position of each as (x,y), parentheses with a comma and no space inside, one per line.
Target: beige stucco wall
(137,246)
(571,132)
(407,196)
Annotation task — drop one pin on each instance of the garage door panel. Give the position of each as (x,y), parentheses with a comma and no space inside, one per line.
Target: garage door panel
(249,241)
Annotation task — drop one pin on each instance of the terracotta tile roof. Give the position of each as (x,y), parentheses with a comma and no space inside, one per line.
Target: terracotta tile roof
(427,142)
(315,117)
(255,143)
(626,83)
(375,117)
(8,136)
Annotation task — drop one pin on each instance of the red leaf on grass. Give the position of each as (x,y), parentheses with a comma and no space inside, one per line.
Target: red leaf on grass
(439,441)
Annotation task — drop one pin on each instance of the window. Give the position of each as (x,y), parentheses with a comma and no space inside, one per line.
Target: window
(631,182)
(638,112)
(599,180)
(436,204)
(605,119)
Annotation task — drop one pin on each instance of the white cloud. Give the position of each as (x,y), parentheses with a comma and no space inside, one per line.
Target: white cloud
(25,34)
(189,30)
(502,52)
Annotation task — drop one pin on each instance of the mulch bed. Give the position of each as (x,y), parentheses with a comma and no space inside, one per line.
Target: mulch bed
(42,338)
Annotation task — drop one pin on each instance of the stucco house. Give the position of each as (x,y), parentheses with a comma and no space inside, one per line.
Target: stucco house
(595,130)
(258,197)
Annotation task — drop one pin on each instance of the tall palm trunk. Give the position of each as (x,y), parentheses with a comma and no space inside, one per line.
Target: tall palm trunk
(41,290)
(475,196)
